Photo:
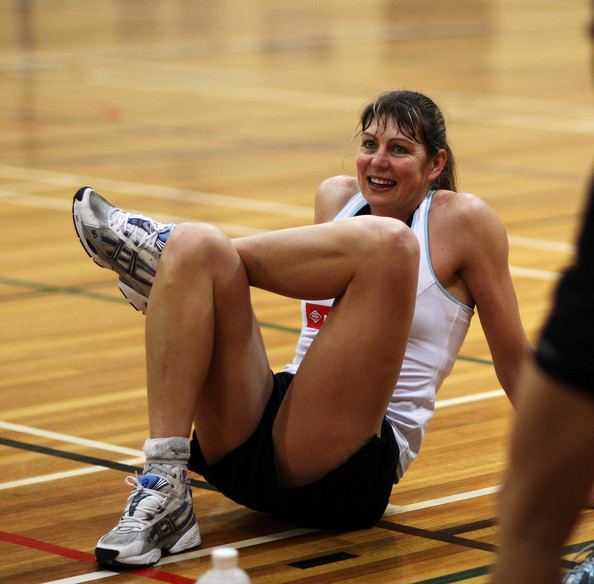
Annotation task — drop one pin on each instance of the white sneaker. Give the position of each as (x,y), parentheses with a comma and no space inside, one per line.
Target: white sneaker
(127,243)
(159,517)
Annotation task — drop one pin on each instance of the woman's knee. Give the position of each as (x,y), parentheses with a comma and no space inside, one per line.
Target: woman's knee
(193,245)
(388,245)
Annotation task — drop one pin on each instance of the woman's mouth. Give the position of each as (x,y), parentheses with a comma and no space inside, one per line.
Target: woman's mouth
(381,183)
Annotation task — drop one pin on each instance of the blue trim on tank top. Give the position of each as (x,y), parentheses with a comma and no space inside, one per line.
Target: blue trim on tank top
(428,255)
(429,196)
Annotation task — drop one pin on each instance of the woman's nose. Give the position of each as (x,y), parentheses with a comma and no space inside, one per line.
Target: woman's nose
(380,158)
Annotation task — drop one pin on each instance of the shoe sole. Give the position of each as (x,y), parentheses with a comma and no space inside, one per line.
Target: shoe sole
(137,300)
(108,557)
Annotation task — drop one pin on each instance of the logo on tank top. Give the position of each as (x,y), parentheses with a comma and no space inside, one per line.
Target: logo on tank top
(316,315)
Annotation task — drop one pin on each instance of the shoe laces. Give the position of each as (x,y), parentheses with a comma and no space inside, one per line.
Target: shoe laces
(143,232)
(143,504)
(171,472)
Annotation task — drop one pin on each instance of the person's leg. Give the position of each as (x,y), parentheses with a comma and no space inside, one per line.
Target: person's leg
(340,393)
(206,362)
(201,332)
(550,472)
(369,263)
(206,365)
(206,358)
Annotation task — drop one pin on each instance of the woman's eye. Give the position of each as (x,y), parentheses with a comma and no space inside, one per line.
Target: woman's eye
(368,144)
(397,149)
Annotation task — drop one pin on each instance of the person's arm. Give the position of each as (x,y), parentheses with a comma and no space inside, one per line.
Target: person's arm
(550,471)
(486,274)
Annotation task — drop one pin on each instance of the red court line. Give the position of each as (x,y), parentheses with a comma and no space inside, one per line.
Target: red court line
(73,554)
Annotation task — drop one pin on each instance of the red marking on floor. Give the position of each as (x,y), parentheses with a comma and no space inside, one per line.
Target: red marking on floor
(73,554)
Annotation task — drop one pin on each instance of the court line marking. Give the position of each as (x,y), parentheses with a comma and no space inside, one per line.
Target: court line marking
(18,198)
(51,178)
(230,228)
(58,179)
(462,110)
(80,556)
(533,274)
(466,399)
(138,454)
(53,204)
(84,578)
(69,438)
(64,475)
(542,244)
(392,510)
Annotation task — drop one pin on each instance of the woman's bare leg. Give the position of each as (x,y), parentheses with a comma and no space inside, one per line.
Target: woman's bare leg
(206,358)
(205,352)
(342,388)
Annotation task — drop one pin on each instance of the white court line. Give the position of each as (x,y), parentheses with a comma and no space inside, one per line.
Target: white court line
(533,274)
(156,191)
(69,438)
(138,453)
(99,575)
(64,475)
(238,545)
(15,198)
(167,193)
(202,552)
(543,244)
(399,509)
(284,535)
(142,78)
(47,177)
(85,578)
(456,401)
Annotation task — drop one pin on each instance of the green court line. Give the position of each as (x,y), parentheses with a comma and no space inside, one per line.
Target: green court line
(74,291)
(475,360)
(483,570)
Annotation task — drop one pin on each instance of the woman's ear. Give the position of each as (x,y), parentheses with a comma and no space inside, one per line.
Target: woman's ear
(438,163)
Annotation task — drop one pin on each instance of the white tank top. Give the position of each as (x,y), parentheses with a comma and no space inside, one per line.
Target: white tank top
(439,326)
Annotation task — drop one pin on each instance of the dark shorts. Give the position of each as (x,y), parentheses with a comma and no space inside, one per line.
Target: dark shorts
(566,346)
(353,495)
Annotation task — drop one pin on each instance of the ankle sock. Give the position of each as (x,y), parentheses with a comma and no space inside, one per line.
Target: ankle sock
(172,451)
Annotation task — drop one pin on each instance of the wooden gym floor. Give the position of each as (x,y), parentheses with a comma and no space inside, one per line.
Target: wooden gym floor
(233,112)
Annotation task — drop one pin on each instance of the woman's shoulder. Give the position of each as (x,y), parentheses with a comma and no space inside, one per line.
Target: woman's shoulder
(467,219)
(332,195)
(458,201)
(461,208)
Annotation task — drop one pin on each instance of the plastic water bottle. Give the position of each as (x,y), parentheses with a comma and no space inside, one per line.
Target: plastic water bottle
(225,569)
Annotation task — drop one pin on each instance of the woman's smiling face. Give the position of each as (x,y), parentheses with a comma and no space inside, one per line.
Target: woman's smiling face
(394,170)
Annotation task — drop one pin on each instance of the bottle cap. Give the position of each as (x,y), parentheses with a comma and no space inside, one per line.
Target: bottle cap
(224,558)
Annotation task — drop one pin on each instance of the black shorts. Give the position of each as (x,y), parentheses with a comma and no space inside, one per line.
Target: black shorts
(566,347)
(353,495)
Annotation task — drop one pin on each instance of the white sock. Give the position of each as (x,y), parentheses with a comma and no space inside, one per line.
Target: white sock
(174,451)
